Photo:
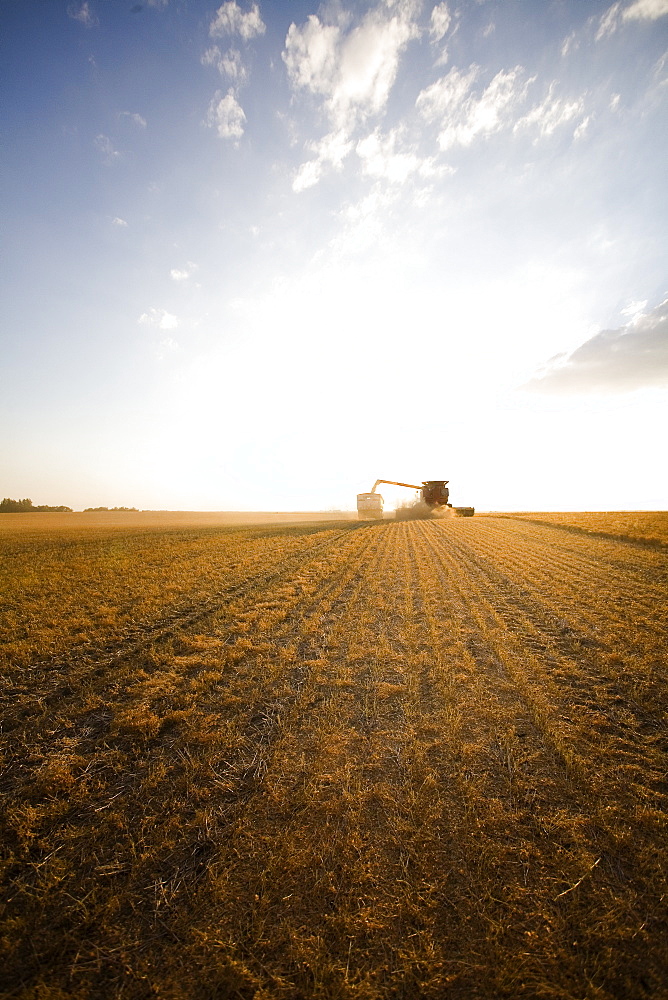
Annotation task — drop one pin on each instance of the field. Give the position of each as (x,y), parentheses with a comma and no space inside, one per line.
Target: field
(335,759)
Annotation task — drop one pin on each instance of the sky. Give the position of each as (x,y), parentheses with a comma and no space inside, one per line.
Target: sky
(259,255)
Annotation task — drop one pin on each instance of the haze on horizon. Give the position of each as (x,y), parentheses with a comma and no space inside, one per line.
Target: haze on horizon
(260,255)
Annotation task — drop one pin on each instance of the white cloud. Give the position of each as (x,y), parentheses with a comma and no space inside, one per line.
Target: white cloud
(119,222)
(632,357)
(136,119)
(439,21)
(166,347)
(311,55)
(553,112)
(634,310)
(83,14)
(646,10)
(382,157)
(159,318)
(352,70)
(660,78)
(182,274)
(462,116)
(226,115)
(308,175)
(608,22)
(569,44)
(443,98)
(105,146)
(230,19)
(332,149)
(229,63)
(640,10)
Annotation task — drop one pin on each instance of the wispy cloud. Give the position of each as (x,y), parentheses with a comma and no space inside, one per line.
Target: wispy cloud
(228,63)
(608,22)
(83,14)
(389,158)
(632,357)
(331,150)
(570,44)
(439,22)
(166,347)
(639,10)
(646,10)
(463,116)
(230,19)
(119,222)
(353,71)
(155,4)
(350,69)
(105,146)
(159,318)
(551,114)
(181,274)
(226,115)
(133,117)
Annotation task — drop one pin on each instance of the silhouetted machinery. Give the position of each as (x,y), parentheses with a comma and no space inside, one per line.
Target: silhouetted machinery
(434,493)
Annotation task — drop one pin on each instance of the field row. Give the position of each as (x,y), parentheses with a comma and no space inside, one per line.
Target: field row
(416,759)
(641,526)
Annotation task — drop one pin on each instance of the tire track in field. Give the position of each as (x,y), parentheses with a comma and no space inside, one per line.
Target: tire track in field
(351,761)
(576,568)
(535,612)
(316,616)
(645,543)
(283,703)
(590,762)
(280,700)
(508,632)
(500,782)
(451,806)
(538,618)
(335,564)
(96,660)
(576,571)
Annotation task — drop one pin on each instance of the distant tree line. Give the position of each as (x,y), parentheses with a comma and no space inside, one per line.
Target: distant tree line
(95,510)
(8,506)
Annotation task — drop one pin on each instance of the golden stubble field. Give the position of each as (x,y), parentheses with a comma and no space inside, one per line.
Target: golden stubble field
(335,760)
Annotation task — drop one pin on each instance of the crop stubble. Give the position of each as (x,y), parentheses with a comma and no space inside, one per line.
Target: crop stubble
(387,760)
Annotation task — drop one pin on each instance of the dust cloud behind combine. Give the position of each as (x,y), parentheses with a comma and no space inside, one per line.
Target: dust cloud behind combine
(418,510)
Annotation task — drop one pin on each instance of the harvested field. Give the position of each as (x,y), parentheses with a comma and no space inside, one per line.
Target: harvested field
(641,526)
(79,521)
(350,760)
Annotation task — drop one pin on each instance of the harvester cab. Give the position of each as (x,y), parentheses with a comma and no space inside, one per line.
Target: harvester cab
(435,493)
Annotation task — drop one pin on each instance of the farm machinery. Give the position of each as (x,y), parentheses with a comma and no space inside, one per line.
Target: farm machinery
(434,494)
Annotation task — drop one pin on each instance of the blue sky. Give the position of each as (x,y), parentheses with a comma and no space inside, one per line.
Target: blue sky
(259,255)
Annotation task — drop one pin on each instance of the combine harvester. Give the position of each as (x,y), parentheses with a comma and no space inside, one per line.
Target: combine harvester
(434,494)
